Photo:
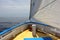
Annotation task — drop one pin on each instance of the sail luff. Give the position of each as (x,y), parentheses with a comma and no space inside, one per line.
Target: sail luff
(34,6)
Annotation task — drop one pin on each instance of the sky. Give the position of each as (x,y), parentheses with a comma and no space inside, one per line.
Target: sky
(14,8)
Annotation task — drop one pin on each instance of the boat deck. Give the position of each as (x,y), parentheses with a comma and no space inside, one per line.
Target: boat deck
(25,34)
(28,34)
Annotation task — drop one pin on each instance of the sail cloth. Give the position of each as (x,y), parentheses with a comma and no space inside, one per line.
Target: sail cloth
(49,13)
(35,4)
(38,4)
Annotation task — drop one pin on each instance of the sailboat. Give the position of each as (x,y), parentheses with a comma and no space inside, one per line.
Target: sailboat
(43,22)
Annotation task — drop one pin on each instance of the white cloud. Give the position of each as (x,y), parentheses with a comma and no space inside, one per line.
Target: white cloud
(14,7)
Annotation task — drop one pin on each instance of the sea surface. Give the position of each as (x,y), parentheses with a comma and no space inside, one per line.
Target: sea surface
(6,25)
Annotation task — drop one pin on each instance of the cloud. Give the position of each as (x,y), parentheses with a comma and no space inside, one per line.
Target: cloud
(14,7)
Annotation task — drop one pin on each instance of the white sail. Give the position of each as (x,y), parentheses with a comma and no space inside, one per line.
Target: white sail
(49,13)
(35,4)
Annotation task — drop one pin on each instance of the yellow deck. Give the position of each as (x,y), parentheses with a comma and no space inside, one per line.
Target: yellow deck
(25,34)
(28,34)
